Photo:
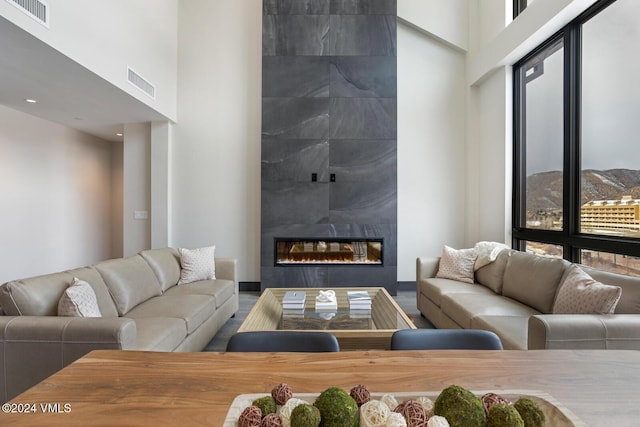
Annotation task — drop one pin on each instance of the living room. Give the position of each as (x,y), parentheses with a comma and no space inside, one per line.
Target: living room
(145,132)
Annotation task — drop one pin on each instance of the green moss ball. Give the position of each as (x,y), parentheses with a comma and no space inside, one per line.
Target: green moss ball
(504,415)
(337,408)
(460,407)
(530,412)
(305,416)
(267,405)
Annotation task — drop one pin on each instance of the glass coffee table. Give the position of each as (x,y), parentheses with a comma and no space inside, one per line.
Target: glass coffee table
(355,330)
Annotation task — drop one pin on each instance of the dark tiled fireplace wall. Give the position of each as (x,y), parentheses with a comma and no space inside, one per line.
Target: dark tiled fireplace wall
(329,108)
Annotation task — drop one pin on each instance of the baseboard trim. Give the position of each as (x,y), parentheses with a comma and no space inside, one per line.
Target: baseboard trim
(255,286)
(249,286)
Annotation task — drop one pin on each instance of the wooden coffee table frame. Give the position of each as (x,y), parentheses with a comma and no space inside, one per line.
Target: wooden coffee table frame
(386,315)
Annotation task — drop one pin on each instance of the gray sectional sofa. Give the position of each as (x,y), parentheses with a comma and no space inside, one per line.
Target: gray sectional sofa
(514,296)
(141,305)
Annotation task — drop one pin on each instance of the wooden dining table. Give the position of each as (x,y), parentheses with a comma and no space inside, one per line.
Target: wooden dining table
(128,388)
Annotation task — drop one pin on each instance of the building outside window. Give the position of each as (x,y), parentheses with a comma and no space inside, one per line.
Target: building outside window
(576,142)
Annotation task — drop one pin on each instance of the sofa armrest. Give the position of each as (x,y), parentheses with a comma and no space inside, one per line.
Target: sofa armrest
(35,347)
(426,267)
(227,269)
(584,331)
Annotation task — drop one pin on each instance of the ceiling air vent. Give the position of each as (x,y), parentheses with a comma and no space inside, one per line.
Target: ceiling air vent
(138,81)
(37,9)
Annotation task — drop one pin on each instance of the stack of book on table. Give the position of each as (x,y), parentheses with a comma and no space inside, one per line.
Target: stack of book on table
(359,301)
(293,303)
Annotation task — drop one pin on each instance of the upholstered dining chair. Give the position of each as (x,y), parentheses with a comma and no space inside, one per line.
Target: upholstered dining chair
(286,341)
(445,339)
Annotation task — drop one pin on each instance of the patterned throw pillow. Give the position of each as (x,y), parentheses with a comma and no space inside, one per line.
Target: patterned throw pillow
(457,264)
(79,300)
(581,294)
(197,264)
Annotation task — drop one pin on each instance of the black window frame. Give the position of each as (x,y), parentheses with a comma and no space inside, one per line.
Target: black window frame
(570,238)
(518,7)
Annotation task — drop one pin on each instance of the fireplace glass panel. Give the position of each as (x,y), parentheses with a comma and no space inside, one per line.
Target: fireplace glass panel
(336,251)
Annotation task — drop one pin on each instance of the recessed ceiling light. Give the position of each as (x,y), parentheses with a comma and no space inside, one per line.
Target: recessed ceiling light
(30,100)
(118,134)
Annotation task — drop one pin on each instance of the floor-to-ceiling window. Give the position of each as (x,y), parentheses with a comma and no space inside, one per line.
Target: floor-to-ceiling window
(577,142)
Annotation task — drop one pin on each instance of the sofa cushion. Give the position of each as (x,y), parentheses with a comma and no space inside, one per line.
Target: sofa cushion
(159,333)
(434,289)
(221,290)
(533,280)
(165,263)
(93,278)
(512,330)
(462,308)
(579,293)
(457,264)
(630,299)
(197,264)
(492,274)
(35,296)
(192,309)
(79,300)
(130,281)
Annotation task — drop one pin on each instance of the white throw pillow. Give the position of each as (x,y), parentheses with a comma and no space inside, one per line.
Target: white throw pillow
(79,300)
(457,264)
(581,294)
(197,264)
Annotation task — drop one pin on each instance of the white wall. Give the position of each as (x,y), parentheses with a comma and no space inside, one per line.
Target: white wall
(446,20)
(431,157)
(216,152)
(136,175)
(55,193)
(107,36)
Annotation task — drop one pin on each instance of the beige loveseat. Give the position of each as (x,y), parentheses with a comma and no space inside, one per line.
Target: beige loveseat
(514,296)
(141,305)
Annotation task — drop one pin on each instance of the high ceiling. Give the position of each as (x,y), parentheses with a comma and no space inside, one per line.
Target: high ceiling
(67,93)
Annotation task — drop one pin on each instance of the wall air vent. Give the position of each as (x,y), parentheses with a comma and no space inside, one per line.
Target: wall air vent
(36,9)
(138,81)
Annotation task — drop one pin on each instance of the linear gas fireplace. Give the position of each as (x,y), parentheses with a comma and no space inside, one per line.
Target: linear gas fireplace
(335,251)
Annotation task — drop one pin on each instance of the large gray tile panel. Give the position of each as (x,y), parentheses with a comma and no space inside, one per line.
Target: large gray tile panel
(294,203)
(369,276)
(296,7)
(295,35)
(293,277)
(363,202)
(295,76)
(295,118)
(364,7)
(363,118)
(363,35)
(363,77)
(295,160)
(364,160)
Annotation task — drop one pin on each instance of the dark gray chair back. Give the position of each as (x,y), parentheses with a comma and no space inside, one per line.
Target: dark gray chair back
(445,339)
(286,341)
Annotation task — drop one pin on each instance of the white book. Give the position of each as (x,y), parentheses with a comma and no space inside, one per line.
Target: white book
(358,296)
(326,306)
(294,296)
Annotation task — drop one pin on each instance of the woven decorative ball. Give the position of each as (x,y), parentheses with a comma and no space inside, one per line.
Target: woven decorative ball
(271,420)
(281,393)
(490,399)
(285,410)
(414,413)
(390,401)
(374,413)
(250,417)
(395,420)
(438,421)
(427,404)
(360,394)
